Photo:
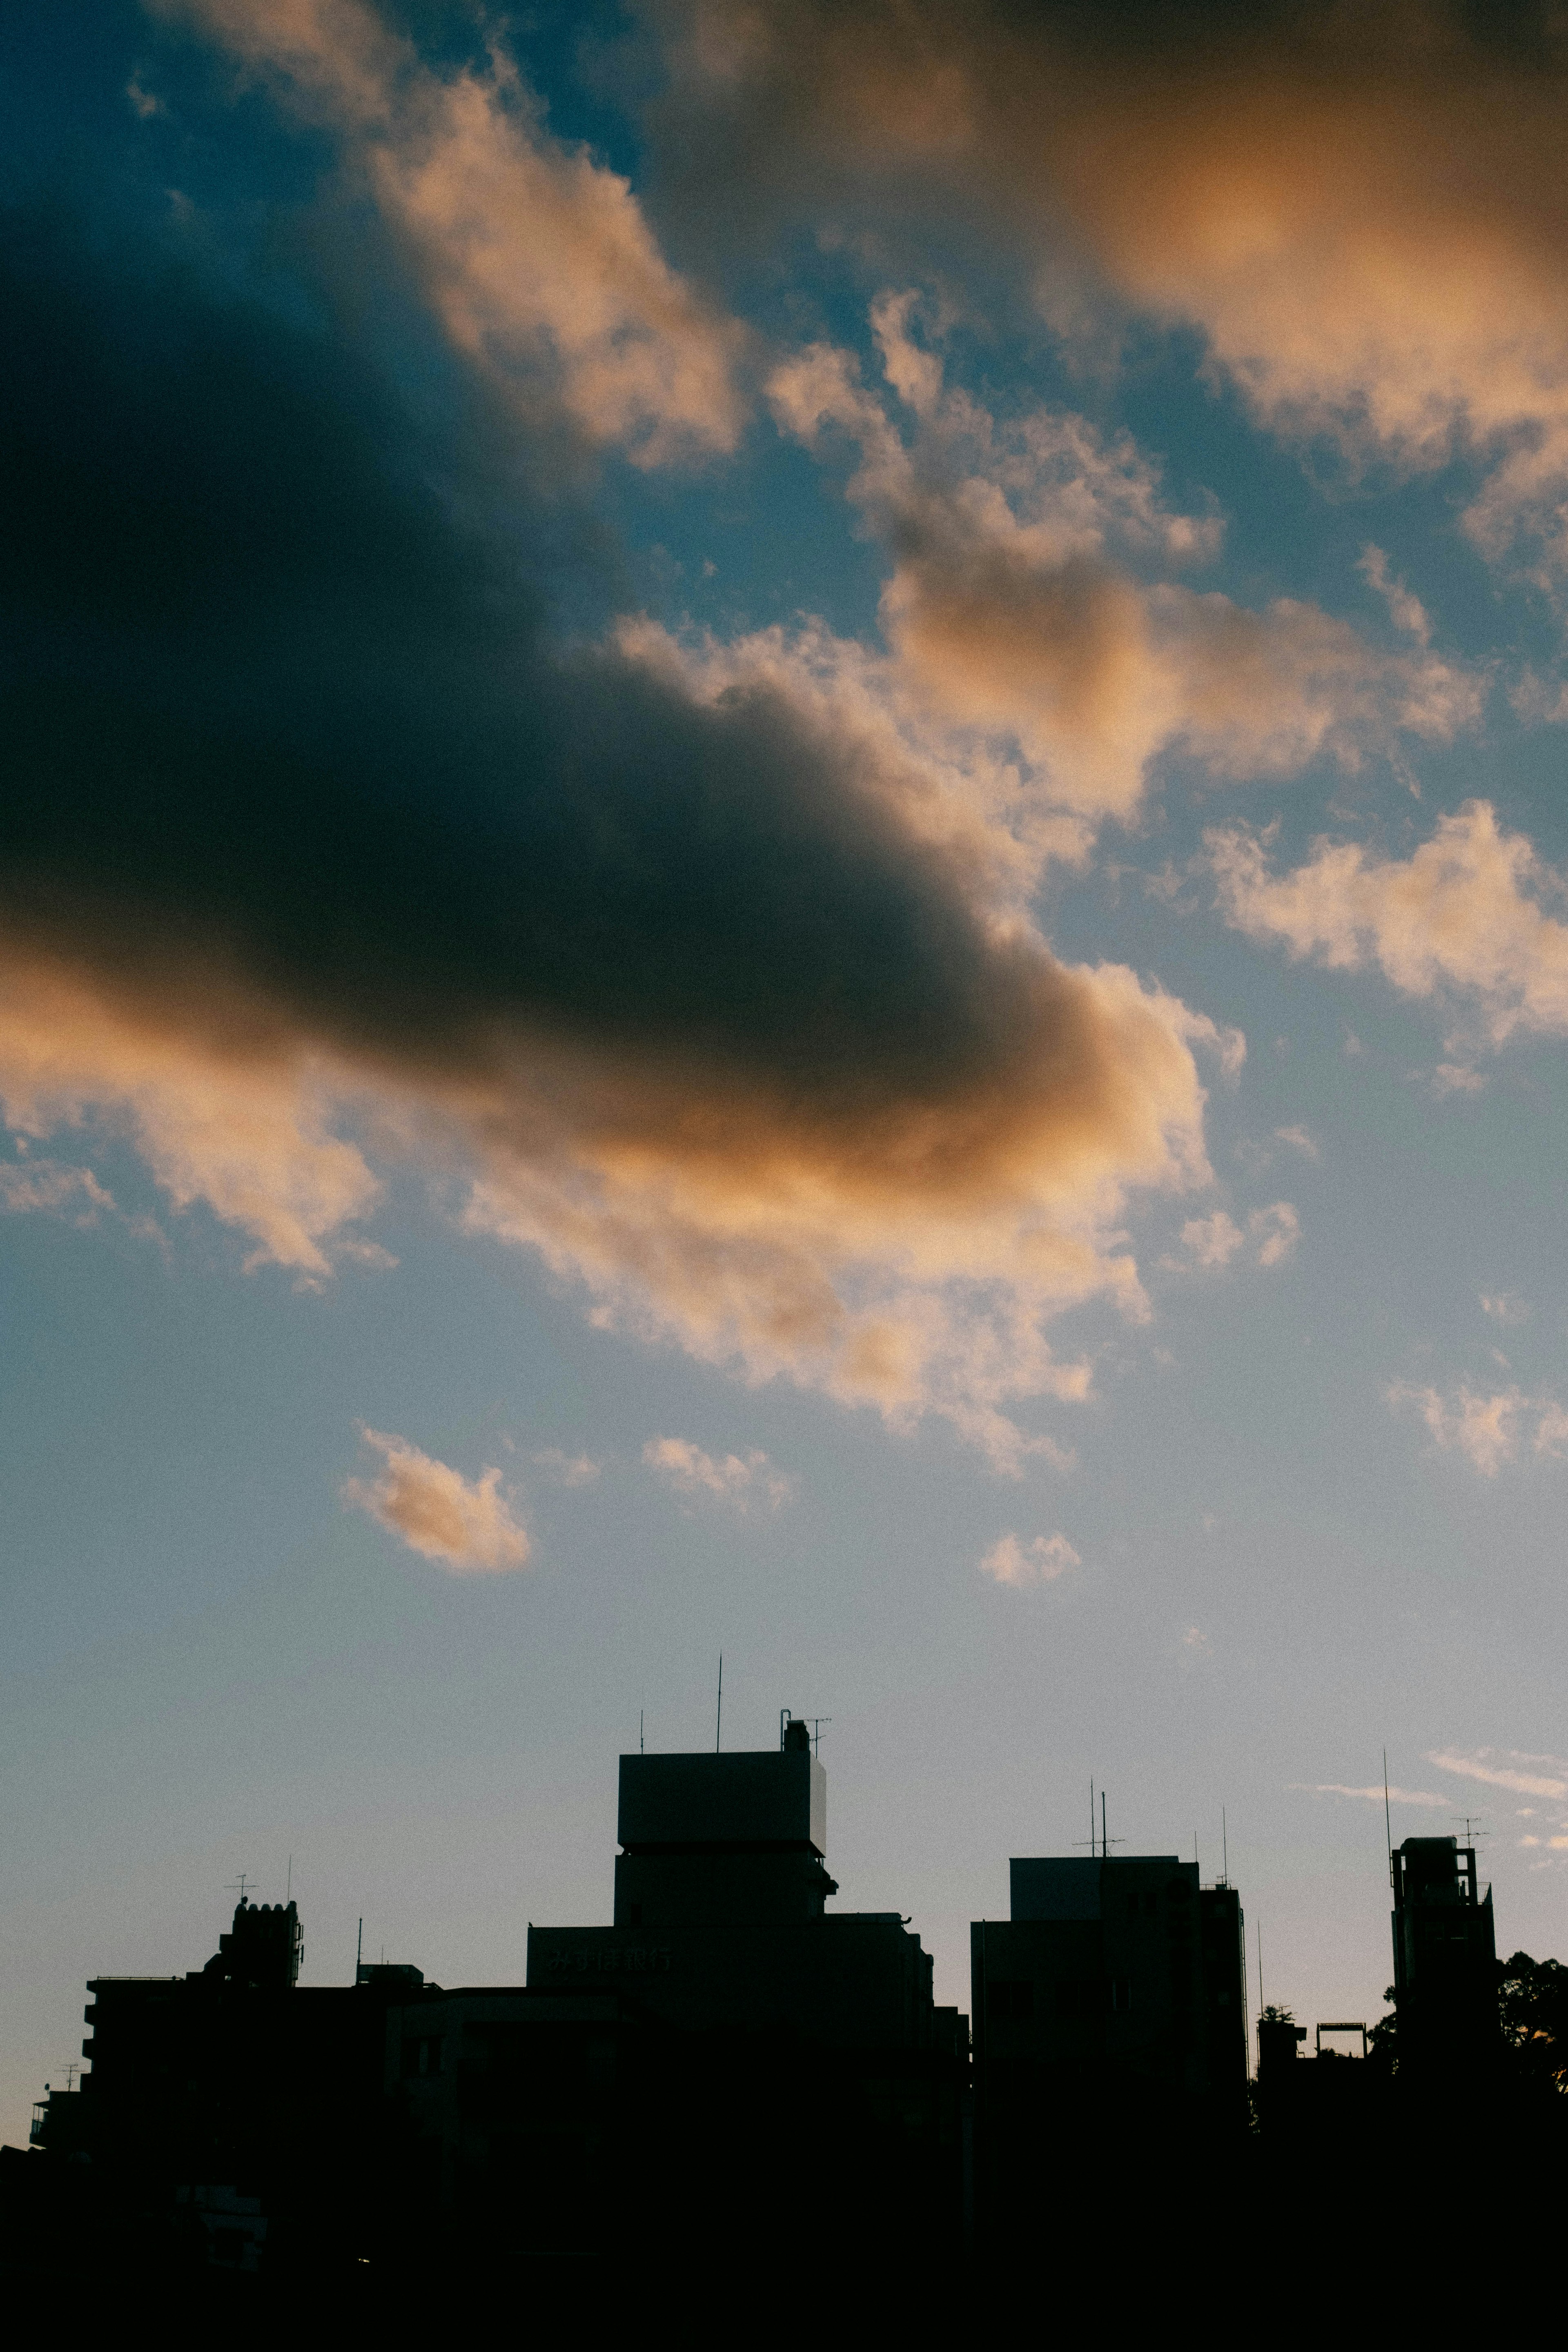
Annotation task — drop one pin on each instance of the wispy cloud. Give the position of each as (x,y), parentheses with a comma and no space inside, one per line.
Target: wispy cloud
(1498,1767)
(52,1189)
(469,1526)
(1040,1561)
(744,1482)
(1505,1306)
(1371,1795)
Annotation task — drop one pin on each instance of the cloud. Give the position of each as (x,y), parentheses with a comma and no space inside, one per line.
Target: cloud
(435,1510)
(537,259)
(1299,1140)
(1461,917)
(1485,1429)
(1040,1561)
(1214,1241)
(1360,211)
(1374,1795)
(1482,1428)
(1505,1306)
(48,1185)
(320,857)
(753,1482)
(1488,1765)
(1016,606)
(569,1469)
(1197,1641)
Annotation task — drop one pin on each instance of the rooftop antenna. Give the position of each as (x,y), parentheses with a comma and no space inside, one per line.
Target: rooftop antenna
(1387,1824)
(1224,1849)
(72,2071)
(1468,1819)
(1260,1968)
(1093,1849)
(816,1723)
(358,1951)
(289,1881)
(642,1743)
(242,1882)
(718,1718)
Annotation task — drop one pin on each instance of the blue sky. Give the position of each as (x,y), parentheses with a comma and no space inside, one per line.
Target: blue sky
(786,878)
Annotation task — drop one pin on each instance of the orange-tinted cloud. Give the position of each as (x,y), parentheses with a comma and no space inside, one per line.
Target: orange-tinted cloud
(705,979)
(1461,917)
(1363,210)
(538,260)
(1019,604)
(469,1526)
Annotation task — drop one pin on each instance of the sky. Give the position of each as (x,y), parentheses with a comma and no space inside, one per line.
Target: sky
(782,874)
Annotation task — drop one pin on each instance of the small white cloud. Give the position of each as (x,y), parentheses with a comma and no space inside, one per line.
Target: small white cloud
(144,103)
(1041,1562)
(1498,1768)
(1505,1305)
(1372,1795)
(1455,1078)
(1299,1140)
(438,1513)
(1406,611)
(1353,1045)
(1196,1639)
(741,1483)
(1276,1231)
(1485,1429)
(1213,1241)
(568,1469)
(1552,1431)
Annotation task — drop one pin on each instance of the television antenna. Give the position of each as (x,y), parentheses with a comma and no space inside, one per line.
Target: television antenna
(1103,1848)
(816,1722)
(242,1882)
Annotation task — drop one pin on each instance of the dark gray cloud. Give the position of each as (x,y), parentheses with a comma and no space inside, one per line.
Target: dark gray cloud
(276,688)
(310,818)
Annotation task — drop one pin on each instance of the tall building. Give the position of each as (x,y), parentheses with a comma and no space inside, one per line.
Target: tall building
(720,1917)
(1445,1958)
(1108,2007)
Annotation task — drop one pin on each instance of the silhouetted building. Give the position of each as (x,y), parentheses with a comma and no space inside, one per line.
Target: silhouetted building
(720,1918)
(1108,2008)
(1445,1959)
(726,2066)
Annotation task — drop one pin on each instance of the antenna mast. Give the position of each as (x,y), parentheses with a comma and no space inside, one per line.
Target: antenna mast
(718,1718)
(1387,1824)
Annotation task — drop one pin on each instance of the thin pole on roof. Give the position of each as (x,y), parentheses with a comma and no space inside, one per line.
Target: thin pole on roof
(718,1718)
